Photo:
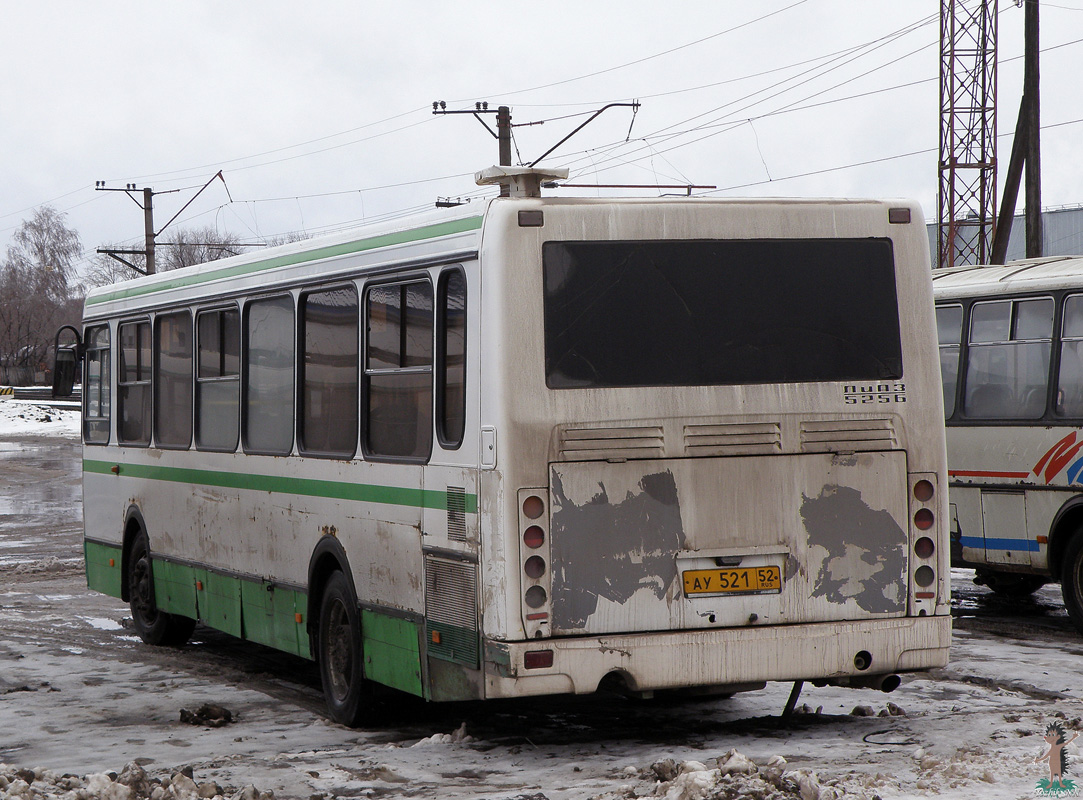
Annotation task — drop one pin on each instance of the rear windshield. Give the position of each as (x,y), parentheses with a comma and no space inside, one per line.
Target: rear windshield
(693,313)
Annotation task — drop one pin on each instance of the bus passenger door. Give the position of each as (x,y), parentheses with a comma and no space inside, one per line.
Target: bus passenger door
(1004,520)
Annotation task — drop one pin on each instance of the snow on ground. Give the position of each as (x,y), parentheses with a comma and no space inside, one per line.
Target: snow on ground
(88,712)
(37,418)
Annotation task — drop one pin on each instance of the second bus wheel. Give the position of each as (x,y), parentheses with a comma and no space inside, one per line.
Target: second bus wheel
(345,688)
(1071,580)
(153,626)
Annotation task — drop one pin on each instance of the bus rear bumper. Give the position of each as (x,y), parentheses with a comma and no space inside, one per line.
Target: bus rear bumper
(728,657)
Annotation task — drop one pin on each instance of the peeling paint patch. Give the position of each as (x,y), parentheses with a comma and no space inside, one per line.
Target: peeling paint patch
(864,550)
(612,541)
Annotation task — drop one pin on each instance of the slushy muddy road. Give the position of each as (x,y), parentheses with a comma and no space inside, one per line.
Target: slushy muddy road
(80,695)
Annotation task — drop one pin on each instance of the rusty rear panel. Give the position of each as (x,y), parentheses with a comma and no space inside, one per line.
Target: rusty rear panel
(623,534)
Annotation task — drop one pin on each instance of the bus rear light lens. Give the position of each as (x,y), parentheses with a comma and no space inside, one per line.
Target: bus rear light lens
(534,567)
(923,491)
(536,597)
(924,576)
(533,507)
(534,537)
(924,547)
(924,519)
(538,659)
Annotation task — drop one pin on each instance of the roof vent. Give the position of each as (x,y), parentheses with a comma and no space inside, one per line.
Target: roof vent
(520,181)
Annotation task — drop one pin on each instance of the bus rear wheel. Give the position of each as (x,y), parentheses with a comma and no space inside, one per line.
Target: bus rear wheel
(153,626)
(1071,580)
(347,692)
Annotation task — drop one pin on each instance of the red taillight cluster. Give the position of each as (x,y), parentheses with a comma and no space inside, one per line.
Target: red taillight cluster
(923,552)
(534,553)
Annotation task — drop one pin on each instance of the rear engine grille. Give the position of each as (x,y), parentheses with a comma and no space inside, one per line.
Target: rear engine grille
(597,444)
(733,439)
(451,610)
(834,436)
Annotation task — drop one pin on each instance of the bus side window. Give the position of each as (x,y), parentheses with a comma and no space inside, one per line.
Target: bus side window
(398,371)
(268,358)
(96,386)
(1070,383)
(949,330)
(1008,361)
(329,373)
(451,359)
(218,379)
(173,380)
(133,383)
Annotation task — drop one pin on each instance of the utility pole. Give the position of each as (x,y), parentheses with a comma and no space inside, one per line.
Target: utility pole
(1026,153)
(1034,148)
(148,227)
(149,234)
(502,134)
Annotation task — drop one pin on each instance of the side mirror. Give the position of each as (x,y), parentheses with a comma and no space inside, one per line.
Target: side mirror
(66,363)
(65,368)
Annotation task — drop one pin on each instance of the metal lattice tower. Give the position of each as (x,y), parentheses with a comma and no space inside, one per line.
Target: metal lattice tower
(967,204)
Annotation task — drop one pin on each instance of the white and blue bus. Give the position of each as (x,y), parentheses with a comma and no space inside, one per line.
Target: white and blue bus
(534,446)
(1011,352)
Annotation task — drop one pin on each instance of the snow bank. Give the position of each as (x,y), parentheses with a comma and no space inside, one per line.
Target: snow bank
(29,418)
(133,783)
(734,775)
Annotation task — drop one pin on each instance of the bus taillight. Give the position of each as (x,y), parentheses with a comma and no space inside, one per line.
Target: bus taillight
(923,491)
(924,547)
(534,555)
(924,519)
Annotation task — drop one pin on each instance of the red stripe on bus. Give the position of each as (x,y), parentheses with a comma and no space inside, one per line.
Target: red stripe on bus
(981,473)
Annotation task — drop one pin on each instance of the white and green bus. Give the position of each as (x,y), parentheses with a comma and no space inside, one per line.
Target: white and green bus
(534,446)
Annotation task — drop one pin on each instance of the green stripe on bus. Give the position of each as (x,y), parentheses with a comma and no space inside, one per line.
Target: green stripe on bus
(292,259)
(280,484)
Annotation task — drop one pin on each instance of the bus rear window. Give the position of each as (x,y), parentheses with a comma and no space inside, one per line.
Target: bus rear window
(693,313)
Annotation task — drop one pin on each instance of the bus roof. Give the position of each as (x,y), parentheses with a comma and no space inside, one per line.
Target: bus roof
(1035,274)
(435,235)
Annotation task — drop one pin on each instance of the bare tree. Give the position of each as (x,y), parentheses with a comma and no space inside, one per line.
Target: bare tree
(36,293)
(105,270)
(186,247)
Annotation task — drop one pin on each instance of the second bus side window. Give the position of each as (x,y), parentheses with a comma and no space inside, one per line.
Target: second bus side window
(1008,363)
(1069,401)
(218,380)
(96,386)
(328,416)
(173,380)
(949,330)
(268,403)
(398,371)
(133,383)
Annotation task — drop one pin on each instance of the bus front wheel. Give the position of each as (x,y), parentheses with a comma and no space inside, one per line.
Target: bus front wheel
(153,626)
(1071,580)
(347,692)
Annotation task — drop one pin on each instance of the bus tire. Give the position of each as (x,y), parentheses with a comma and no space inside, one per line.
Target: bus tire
(347,692)
(153,626)
(1071,580)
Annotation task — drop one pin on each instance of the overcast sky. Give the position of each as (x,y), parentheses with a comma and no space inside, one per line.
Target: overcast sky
(319,114)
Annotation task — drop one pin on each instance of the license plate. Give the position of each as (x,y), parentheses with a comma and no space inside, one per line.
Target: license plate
(733,580)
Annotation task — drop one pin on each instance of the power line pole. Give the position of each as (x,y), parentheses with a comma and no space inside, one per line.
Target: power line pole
(1026,153)
(149,234)
(148,227)
(1034,148)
